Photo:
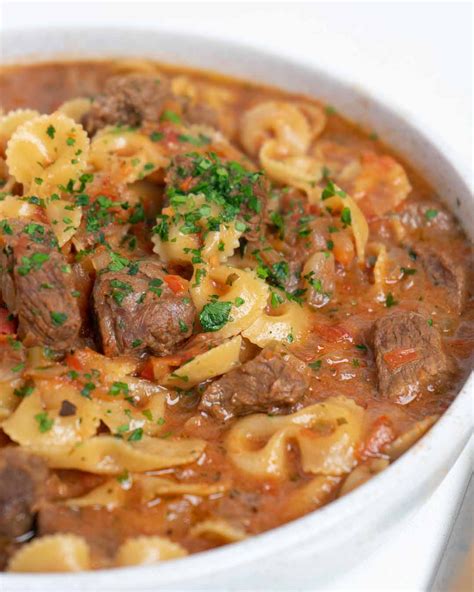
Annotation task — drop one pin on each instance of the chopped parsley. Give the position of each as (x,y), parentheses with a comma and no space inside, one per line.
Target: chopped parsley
(331,190)
(51,131)
(5,227)
(87,389)
(276,299)
(156,136)
(390,300)
(148,414)
(182,326)
(201,140)
(34,262)
(136,435)
(346,217)
(45,423)
(136,342)
(58,318)
(119,387)
(120,290)
(24,391)
(316,365)
(171,116)
(215,315)
(431,213)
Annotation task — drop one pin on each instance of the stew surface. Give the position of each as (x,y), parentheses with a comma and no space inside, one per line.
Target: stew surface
(222,307)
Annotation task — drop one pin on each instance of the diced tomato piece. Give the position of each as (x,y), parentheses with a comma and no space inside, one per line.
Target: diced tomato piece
(381,433)
(176,283)
(400,356)
(147,371)
(73,362)
(7,324)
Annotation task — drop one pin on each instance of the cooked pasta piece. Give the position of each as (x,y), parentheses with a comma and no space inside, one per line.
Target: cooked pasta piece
(143,488)
(13,206)
(218,529)
(215,362)
(126,154)
(299,171)
(275,119)
(315,115)
(154,487)
(181,245)
(11,121)
(381,184)
(123,418)
(110,495)
(40,427)
(244,294)
(396,448)
(311,496)
(107,455)
(56,553)
(380,268)
(351,215)
(326,433)
(362,474)
(146,550)
(75,108)
(287,324)
(64,217)
(46,152)
(9,401)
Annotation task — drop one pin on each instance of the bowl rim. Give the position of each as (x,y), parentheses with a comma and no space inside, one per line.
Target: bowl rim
(436,449)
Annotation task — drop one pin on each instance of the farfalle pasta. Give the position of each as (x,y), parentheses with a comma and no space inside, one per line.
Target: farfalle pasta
(222,307)
(327,435)
(46,152)
(125,154)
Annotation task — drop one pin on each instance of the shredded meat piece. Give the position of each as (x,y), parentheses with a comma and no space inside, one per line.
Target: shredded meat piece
(442,271)
(408,354)
(271,382)
(37,286)
(128,100)
(22,482)
(140,312)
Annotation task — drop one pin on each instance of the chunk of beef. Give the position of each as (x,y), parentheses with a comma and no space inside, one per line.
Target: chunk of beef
(271,382)
(443,272)
(37,285)
(140,312)
(202,114)
(408,354)
(241,189)
(22,484)
(128,100)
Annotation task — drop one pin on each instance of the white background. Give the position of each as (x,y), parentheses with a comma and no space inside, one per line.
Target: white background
(417,54)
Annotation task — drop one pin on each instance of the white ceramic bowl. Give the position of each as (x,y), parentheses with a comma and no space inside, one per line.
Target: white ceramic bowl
(339,533)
